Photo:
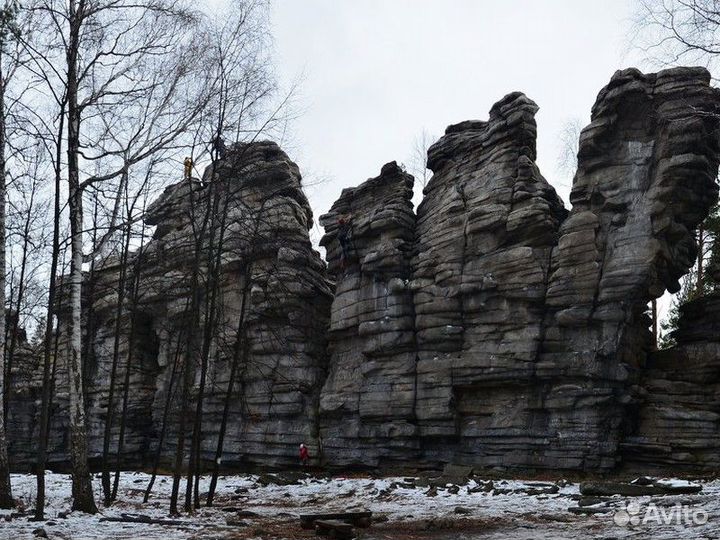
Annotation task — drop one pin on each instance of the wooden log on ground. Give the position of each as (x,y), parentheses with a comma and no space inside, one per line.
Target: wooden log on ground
(357,519)
(605,489)
(139,518)
(334,528)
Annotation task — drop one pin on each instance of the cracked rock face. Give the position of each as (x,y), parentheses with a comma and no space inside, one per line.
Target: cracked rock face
(529,320)
(646,169)
(676,426)
(367,403)
(268,270)
(485,232)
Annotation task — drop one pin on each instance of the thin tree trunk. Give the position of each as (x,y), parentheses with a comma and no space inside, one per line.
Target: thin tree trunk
(128,364)
(187,378)
(49,334)
(163,425)
(107,490)
(83,499)
(239,354)
(6,499)
(190,352)
(211,290)
(239,357)
(18,302)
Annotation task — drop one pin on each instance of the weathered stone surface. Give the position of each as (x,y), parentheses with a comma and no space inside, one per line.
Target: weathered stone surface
(494,328)
(637,489)
(678,419)
(646,169)
(368,400)
(265,218)
(529,323)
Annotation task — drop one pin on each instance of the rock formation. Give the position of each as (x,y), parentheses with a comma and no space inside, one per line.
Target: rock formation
(268,271)
(530,323)
(493,327)
(367,403)
(486,229)
(647,165)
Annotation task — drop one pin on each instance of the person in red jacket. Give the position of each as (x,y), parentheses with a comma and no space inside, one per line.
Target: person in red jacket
(304,456)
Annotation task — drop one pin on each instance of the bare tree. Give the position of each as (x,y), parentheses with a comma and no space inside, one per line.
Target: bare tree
(50,336)
(672,32)
(569,144)
(243,85)
(417,163)
(28,212)
(106,46)
(8,31)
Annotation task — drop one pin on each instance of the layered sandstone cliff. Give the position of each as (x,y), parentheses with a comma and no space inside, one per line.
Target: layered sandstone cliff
(530,323)
(492,327)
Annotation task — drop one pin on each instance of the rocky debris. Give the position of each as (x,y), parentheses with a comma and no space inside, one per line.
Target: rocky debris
(361,519)
(286,478)
(590,510)
(462,510)
(451,474)
(334,528)
(368,399)
(482,487)
(592,501)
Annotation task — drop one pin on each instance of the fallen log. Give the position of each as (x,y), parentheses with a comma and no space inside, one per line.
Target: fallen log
(334,528)
(605,489)
(357,519)
(139,518)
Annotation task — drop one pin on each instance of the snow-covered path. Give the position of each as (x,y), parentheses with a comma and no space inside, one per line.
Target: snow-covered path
(246,508)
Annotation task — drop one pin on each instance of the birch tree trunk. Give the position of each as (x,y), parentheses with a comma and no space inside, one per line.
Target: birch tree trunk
(83,499)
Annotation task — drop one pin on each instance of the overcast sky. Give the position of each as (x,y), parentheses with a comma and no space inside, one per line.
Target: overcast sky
(376,73)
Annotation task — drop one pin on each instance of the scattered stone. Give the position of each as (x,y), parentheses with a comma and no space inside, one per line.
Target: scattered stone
(334,528)
(247,514)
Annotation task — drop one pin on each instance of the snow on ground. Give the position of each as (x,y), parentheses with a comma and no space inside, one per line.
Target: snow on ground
(513,509)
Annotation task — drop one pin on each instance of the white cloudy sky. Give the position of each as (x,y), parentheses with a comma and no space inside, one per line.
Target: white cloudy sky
(376,73)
